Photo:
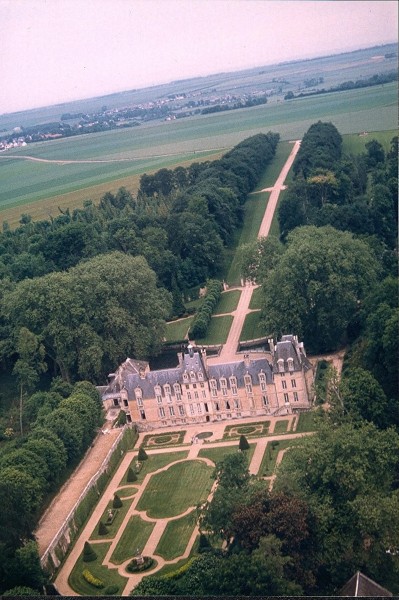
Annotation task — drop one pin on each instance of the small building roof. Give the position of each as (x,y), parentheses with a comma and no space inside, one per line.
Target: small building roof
(362,586)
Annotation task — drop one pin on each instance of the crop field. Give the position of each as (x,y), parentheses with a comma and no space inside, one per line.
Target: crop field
(131,152)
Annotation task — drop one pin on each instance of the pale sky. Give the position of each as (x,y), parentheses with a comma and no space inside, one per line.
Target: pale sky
(53,51)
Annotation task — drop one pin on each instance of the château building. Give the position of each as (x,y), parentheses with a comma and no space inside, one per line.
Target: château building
(198,390)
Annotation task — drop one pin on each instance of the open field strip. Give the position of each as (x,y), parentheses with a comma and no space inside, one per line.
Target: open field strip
(153,146)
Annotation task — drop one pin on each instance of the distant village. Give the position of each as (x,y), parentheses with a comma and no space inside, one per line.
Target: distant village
(171,107)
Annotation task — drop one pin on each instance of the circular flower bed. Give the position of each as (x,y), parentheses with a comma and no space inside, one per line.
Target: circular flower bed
(164,439)
(204,434)
(136,566)
(246,429)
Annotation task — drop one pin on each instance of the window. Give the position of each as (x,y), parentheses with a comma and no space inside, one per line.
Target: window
(213,383)
(187,386)
(199,409)
(286,399)
(139,402)
(191,409)
(192,376)
(217,407)
(262,381)
(161,412)
(224,391)
(178,396)
(214,392)
(293,382)
(236,403)
(200,376)
(159,399)
(142,414)
(280,365)
(284,384)
(138,393)
(233,383)
(227,405)
(194,386)
(171,411)
(290,362)
(248,384)
(185,377)
(181,410)
(202,384)
(196,395)
(167,389)
(296,397)
(203,393)
(265,401)
(188,395)
(234,390)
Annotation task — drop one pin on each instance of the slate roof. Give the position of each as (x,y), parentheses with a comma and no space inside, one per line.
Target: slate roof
(239,369)
(287,348)
(361,586)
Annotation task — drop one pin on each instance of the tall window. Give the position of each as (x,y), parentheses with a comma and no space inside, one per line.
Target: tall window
(296,397)
(286,399)
(181,410)
(161,411)
(293,383)
(248,384)
(171,411)
(284,384)
(265,400)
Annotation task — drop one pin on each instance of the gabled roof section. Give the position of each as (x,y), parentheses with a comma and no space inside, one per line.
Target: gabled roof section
(291,354)
(241,368)
(362,586)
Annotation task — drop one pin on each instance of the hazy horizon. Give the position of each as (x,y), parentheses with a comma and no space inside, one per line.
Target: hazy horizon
(70,50)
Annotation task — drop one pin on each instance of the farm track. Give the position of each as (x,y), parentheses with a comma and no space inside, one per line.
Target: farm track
(109,160)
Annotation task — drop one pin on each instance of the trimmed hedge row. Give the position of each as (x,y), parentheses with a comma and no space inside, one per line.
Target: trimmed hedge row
(201,321)
(94,581)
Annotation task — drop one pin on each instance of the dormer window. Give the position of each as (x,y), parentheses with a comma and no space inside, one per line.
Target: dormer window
(290,362)
(185,377)
(262,381)
(139,396)
(177,390)
(200,376)
(192,376)
(158,394)
(248,384)
(280,365)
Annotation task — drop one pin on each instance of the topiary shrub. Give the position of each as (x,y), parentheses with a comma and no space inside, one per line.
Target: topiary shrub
(243,443)
(121,419)
(102,528)
(117,502)
(131,475)
(94,581)
(110,590)
(88,553)
(203,544)
(136,566)
(142,455)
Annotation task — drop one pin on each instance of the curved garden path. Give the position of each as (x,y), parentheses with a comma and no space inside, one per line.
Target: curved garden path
(193,450)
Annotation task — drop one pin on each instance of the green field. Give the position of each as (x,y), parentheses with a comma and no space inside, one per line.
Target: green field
(228,302)
(251,329)
(176,536)
(134,536)
(218,331)
(173,491)
(131,152)
(177,330)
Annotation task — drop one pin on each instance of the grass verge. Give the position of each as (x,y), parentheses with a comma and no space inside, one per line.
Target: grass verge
(176,536)
(135,536)
(107,576)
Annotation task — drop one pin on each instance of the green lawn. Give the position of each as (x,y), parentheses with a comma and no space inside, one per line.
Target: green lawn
(217,454)
(171,492)
(251,329)
(153,463)
(107,576)
(228,302)
(176,536)
(308,421)
(116,523)
(268,463)
(256,298)
(177,330)
(135,536)
(127,492)
(356,144)
(280,426)
(218,331)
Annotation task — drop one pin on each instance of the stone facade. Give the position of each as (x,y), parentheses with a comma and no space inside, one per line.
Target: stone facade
(199,390)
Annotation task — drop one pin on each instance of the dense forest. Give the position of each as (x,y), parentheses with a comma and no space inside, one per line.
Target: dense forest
(82,291)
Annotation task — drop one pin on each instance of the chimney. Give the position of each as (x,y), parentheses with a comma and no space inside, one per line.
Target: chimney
(247,361)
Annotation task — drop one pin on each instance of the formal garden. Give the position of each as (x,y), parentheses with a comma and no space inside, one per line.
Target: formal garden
(161,492)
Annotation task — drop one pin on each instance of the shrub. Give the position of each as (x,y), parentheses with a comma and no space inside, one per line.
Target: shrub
(136,567)
(202,319)
(179,572)
(121,419)
(131,475)
(102,529)
(110,590)
(142,455)
(243,443)
(203,544)
(88,553)
(117,502)
(94,581)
